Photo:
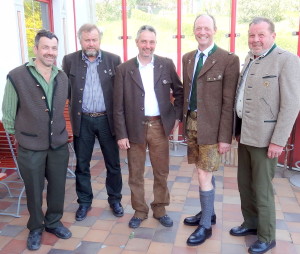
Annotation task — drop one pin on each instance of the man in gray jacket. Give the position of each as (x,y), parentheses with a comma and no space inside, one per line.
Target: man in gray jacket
(267,105)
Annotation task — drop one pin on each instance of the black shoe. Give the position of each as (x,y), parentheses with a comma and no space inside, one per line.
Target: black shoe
(260,247)
(242,231)
(34,240)
(195,220)
(165,221)
(135,222)
(82,212)
(199,236)
(117,209)
(61,232)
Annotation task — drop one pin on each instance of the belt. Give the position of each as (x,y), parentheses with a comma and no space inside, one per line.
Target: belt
(152,118)
(96,114)
(192,114)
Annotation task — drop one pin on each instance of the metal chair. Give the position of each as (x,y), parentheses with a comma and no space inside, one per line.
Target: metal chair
(12,179)
(70,172)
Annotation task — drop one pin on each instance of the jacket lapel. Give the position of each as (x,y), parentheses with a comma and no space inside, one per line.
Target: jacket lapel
(209,63)
(158,67)
(190,65)
(135,73)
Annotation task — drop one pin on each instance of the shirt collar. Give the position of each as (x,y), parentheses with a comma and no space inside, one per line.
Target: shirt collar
(206,51)
(31,63)
(98,58)
(141,65)
(264,54)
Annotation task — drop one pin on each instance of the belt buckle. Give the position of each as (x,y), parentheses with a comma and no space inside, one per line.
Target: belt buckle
(93,114)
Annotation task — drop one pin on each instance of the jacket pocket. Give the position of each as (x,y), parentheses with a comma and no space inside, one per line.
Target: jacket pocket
(28,134)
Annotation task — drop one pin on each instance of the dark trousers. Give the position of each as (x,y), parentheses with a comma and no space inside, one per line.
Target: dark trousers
(35,166)
(255,174)
(158,145)
(90,128)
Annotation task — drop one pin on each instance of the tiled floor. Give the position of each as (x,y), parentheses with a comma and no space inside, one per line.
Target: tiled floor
(102,233)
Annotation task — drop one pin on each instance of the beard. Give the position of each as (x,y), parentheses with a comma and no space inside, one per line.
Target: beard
(91,52)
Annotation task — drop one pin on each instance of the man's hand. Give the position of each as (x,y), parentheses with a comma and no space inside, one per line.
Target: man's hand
(223,147)
(274,151)
(124,144)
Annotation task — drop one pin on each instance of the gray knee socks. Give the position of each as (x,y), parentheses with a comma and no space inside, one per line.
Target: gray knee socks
(207,206)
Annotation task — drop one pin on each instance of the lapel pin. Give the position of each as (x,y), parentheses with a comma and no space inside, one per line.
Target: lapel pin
(165,82)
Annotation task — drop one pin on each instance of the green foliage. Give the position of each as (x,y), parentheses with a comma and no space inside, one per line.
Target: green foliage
(272,9)
(33,22)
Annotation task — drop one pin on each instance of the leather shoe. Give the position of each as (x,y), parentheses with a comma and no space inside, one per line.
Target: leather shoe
(165,221)
(135,222)
(260,247)
(117,209)
(61,232)
(34,240)
(242,231)
(195,220)
(199,236)
(82,212)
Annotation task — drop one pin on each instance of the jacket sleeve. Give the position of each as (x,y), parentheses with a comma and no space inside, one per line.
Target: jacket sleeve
(230,80)
(177,91)
(289,83)
(118,106)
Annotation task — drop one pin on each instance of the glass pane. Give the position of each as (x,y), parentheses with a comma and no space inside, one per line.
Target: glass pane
(220,9)
(36,18)
(161,14)
(285,15)
(109,20)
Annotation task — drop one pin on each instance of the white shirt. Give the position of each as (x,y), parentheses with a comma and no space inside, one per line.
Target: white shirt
(147,75)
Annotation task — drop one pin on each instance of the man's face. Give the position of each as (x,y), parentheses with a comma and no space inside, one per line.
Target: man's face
(260,38)
(90,43)
(46,51)
(146,44)
(204,32)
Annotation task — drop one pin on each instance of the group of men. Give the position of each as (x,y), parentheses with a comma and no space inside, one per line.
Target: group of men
(128,106)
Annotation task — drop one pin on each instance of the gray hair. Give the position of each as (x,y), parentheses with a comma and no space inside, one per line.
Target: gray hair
(212,17)
(145,28)
(258,20)
(88,28)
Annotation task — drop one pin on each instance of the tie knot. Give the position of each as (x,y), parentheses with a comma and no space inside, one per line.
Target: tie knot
(202,55)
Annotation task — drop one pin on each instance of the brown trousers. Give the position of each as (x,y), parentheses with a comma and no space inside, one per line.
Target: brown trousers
(158,145)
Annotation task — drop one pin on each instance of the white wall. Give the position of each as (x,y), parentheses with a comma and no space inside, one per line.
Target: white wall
(9,43)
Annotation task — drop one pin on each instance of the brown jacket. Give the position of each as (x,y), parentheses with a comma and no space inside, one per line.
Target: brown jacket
(216,86)
(129,98)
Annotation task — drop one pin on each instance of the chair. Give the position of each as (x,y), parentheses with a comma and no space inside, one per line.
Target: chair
(11,179)
(70,172)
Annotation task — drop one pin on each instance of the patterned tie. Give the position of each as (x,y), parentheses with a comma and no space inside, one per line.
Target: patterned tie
(193,98)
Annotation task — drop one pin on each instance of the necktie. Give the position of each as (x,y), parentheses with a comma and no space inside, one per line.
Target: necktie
(193,98)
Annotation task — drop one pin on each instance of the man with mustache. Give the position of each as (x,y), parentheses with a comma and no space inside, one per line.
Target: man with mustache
(33,106)
(91,75)
(267,105)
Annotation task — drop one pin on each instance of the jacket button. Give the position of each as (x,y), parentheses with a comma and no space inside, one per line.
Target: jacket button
(82,77)
(187,100)
(80,101)
(142,109)
(142,95)
(51,122)
(46,110)
(78,113)
(81,89)
(51,133)
(43,97)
